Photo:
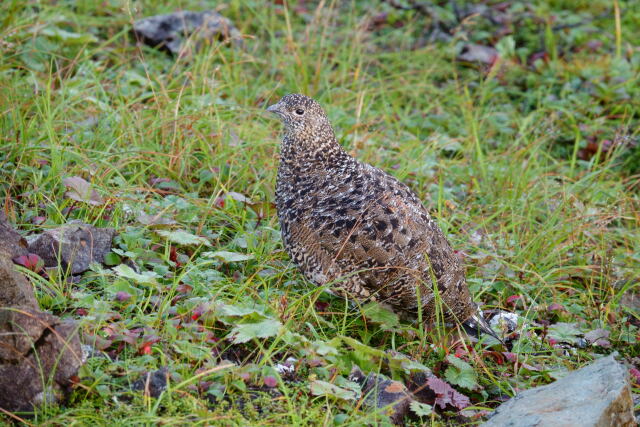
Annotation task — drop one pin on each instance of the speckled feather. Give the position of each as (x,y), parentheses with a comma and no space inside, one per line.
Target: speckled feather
(356,228)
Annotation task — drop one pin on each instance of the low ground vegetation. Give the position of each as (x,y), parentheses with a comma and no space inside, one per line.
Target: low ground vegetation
(529,160)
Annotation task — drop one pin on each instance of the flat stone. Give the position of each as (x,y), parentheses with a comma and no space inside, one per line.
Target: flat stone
(171,31)
(15,289)
(597,395)
(11,241)
(72,246)
(152,383)
(475,53)
(39,353)
(383,393)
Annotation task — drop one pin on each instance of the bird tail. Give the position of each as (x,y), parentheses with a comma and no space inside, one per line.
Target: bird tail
(477,324)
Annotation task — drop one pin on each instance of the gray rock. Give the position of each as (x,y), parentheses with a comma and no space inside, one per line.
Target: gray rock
(39,353)
(72,246)
(15,289)
(631,301)
(11,241)
(476,53)
(597,395)
(381,392)
(170,31)
(152,383)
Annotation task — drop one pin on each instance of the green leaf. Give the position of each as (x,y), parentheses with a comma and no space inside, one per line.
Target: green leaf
(146,219)
(247,331)
(241,310)
(401,362)
(363,348)
(112,259)
(364,356)
(376,313)
(324,348)
(81,191)
(461,373)
(227,256)
(127,272)
(323,388)
(421,409)
(181,237)
(68,37)
(564,332)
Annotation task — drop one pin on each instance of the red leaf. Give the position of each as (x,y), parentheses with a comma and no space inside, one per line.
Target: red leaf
(198,312)
(37,220)
(31,261)
(122,296)
(145,348)
(513,298)
(321,305)
(183,288)
(555,307)
(499,358)
(460,351)
(219,202)
(82,312)
(173,256)
(270,381)
(447,395)
(635,375)
(81,191)
(511,357)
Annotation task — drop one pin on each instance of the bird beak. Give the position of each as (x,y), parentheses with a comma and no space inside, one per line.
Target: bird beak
(275,108)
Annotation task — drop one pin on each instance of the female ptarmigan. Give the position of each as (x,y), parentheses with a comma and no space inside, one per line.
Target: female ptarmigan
(357,229)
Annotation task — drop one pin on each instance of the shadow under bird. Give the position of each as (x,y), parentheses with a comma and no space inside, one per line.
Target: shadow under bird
(359,231)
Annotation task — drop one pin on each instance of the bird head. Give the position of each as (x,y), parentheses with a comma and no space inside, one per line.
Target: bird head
(302,116)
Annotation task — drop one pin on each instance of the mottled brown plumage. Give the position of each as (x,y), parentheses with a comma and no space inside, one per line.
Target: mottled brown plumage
(357,229)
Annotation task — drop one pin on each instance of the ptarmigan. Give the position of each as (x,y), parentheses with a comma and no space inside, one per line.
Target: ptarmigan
(359,230)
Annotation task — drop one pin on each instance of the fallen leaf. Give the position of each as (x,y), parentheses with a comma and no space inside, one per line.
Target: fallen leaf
(31,262)
(447,395)
(122,296)
(635,375)
(127,272)
(247,331)
(238,197)
(564,332)
(512,300)
(145,348)
(461,373)
(270,381)
(81,191)
(263,209)
(472,52)
(227,256)
(421,409)
(158,219)
(323,388)
(394,387)
(181,237)
(376,313)
(593,336)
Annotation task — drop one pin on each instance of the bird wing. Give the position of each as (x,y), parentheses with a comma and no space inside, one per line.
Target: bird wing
(383,238)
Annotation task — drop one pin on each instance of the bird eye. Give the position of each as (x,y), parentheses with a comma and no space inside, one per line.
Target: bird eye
(299,111)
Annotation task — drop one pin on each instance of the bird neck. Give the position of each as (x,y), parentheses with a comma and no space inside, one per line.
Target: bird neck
(320,148)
